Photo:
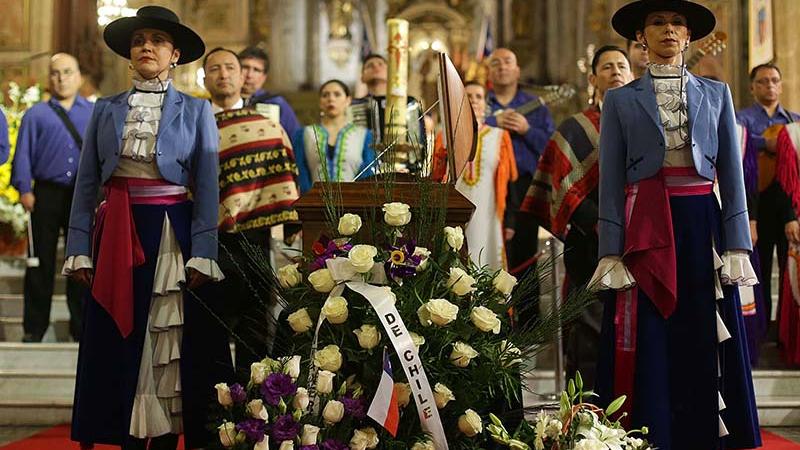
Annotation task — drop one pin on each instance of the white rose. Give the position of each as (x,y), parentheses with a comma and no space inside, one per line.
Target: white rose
(291,366)
(454,237)
(329,358)
(504,282)
(362,257)
(349,224)
(258,372)
(286,445)
(364,438)
(257,410)
(368,336)
(224,394)
(442,395)
(425,254)
(300,321)
(310,432)
(396,214)
(228,436)
(462,354)
(403,391)
(335,310)
(263,444)
(300,399)
(333,411)
(289,276)
(425,445)
(437,311)
(470,423)
(460,282)
(418,340)
(485,319)
(325,381)
(321,280)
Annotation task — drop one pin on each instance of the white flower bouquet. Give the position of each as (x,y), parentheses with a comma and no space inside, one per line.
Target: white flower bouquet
(576,425)
(395,339)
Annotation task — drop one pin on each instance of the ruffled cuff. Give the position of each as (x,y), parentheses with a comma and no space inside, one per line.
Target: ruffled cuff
(207,267)
(76,262)
(736,269)
(611,273)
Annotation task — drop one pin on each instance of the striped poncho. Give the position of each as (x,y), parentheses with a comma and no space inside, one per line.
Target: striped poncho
(257,172)
(567,173)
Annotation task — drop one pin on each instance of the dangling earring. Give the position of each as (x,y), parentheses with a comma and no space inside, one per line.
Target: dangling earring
(173,65)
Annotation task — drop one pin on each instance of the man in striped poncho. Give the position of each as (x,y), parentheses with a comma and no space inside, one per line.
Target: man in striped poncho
(563,197)
(257,181)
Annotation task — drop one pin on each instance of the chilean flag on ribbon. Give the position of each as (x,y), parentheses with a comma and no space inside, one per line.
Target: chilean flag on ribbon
(383,408)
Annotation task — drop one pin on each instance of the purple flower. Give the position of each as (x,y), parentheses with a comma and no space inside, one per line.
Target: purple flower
(354,407)
(285,428)
(333,444)
(238,393)
(276,386)
(310,447)
(254,429)
(402,262)
(325,249)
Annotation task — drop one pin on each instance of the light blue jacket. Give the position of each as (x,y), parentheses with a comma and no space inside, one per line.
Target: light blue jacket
(186,154)
(632,149)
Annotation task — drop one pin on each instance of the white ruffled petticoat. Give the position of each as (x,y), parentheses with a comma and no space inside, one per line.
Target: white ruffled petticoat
(733,268)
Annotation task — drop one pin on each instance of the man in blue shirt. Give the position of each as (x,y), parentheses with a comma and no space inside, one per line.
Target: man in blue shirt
(775,218)
(529,135)
(255,67)
(44,169)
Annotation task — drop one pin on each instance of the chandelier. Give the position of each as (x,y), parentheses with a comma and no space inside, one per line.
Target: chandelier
(110,10)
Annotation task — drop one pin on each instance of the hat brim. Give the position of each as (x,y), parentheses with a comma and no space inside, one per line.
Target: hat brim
(630,18)
(118,33)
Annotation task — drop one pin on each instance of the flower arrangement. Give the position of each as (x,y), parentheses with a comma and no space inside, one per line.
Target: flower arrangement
(13,106)
(577,425)
(388,343)
(13,217)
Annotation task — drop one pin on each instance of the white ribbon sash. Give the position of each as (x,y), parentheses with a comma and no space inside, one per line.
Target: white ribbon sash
(382,302)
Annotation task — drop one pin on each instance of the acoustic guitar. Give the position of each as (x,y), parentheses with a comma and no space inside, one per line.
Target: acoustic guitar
(553,95)
(712,45)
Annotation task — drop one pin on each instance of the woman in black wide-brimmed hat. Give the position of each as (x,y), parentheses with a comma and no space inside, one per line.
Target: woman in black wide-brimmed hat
(673,337)
(151,352)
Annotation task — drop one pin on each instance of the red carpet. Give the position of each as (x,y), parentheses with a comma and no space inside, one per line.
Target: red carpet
(58,438)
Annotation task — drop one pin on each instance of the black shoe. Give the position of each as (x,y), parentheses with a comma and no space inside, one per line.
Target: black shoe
(30,337)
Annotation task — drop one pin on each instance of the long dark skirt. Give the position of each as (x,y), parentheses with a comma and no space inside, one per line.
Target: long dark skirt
(108,365)
(677,373)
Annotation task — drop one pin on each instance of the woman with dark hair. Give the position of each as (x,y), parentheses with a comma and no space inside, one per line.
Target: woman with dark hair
(148,359)
(335,149)
(673,338)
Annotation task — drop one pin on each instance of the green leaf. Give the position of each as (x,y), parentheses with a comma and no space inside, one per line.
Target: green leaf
(579,381)
(571,389)
(615,405)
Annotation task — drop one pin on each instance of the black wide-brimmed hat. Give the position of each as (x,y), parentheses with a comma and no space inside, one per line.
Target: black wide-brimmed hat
(119,32)
(630,18)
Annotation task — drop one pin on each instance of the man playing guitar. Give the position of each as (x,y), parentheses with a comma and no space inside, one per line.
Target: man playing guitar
(529,135)
(775,218)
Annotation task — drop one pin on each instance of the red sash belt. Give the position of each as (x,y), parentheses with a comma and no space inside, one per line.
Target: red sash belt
(650,257)
(120,250)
